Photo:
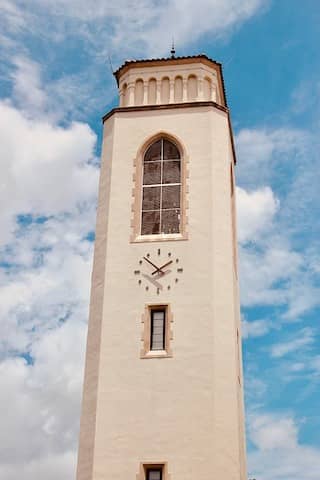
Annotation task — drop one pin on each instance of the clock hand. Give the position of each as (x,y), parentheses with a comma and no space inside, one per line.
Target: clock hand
(155,266)
(163,266)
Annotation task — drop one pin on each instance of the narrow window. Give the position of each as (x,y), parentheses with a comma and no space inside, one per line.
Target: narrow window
(161,190)
(158,329)
(154,473)
(156,335)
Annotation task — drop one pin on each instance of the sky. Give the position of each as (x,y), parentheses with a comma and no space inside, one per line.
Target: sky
(55,85)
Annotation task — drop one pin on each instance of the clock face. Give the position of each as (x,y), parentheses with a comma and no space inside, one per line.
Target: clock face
(158,269)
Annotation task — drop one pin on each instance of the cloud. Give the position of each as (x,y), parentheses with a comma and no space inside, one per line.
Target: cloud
(45,399)
(267,432)
(277,261)
(264,275)
(48,194)
(43,315)
(256,328)
(255,212)
(150,25)
(27,89)
(278,453)
(46,169)
(303,339)
(79,89)
(315,364)
(11,15)
(50,467)
(263,152)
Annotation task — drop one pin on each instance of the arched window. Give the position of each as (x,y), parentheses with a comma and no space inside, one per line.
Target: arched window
(161,189)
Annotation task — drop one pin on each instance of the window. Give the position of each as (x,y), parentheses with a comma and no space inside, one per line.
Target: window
(158,329)
(161,189)
(156,335)
(154,473)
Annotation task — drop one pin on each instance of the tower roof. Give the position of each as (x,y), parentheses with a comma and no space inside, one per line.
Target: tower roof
(173,61)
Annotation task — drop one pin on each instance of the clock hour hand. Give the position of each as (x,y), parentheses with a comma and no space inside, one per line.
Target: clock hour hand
(155,266)
(163,266)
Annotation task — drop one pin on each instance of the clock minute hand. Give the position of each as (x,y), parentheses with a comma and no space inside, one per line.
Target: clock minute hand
(163,266)
(155,266)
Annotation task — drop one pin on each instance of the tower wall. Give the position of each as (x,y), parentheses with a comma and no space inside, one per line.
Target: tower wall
(184,410)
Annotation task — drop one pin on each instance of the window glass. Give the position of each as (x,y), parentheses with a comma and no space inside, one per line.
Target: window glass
(161,189)
(171,196)
(151,198)
(171,171)
(170,151)
(152,173)
(154,474)
(170,221)
(154,152)
(150,223)
(157,330)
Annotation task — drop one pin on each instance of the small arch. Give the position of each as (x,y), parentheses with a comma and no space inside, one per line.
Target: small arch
(165,90)
(162,134)
(152,91)
(207,88)
(192,88)
(178,89)
(138,92)
(125,95)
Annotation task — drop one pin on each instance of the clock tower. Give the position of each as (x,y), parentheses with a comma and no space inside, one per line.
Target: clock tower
(163,388)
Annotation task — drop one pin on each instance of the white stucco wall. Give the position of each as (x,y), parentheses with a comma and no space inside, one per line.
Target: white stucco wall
(185,410)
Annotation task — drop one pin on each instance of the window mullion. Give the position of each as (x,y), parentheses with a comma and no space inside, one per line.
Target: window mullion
(161,181)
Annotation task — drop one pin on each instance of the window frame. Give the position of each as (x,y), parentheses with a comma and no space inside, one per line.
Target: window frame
(146,350)
(162,161)
(137,194)
(153,465)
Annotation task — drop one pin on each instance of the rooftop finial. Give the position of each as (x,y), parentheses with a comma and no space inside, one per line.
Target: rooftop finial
(173,50)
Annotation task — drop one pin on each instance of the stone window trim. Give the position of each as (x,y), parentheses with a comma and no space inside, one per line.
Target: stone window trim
(137,179)
(145,465)
(146,351)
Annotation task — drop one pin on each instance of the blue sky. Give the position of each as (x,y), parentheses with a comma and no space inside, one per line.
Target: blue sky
(55,84)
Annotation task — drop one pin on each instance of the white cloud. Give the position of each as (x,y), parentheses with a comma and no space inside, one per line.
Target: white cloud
(50,467)
(278,454)
(264,275)
(256,328)
(27,89)
(43,315)
(304,339)
(150,25)
(277,266)
(11,15)
(45,169)
(255,212)
(303,295)
(50,178)
(263,152)
(268,433)
(315,364)
(45,401)
(98,30)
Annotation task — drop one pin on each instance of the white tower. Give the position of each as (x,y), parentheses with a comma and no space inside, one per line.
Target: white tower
(163,395)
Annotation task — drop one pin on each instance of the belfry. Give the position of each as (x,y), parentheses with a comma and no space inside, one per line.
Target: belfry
(163,388)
